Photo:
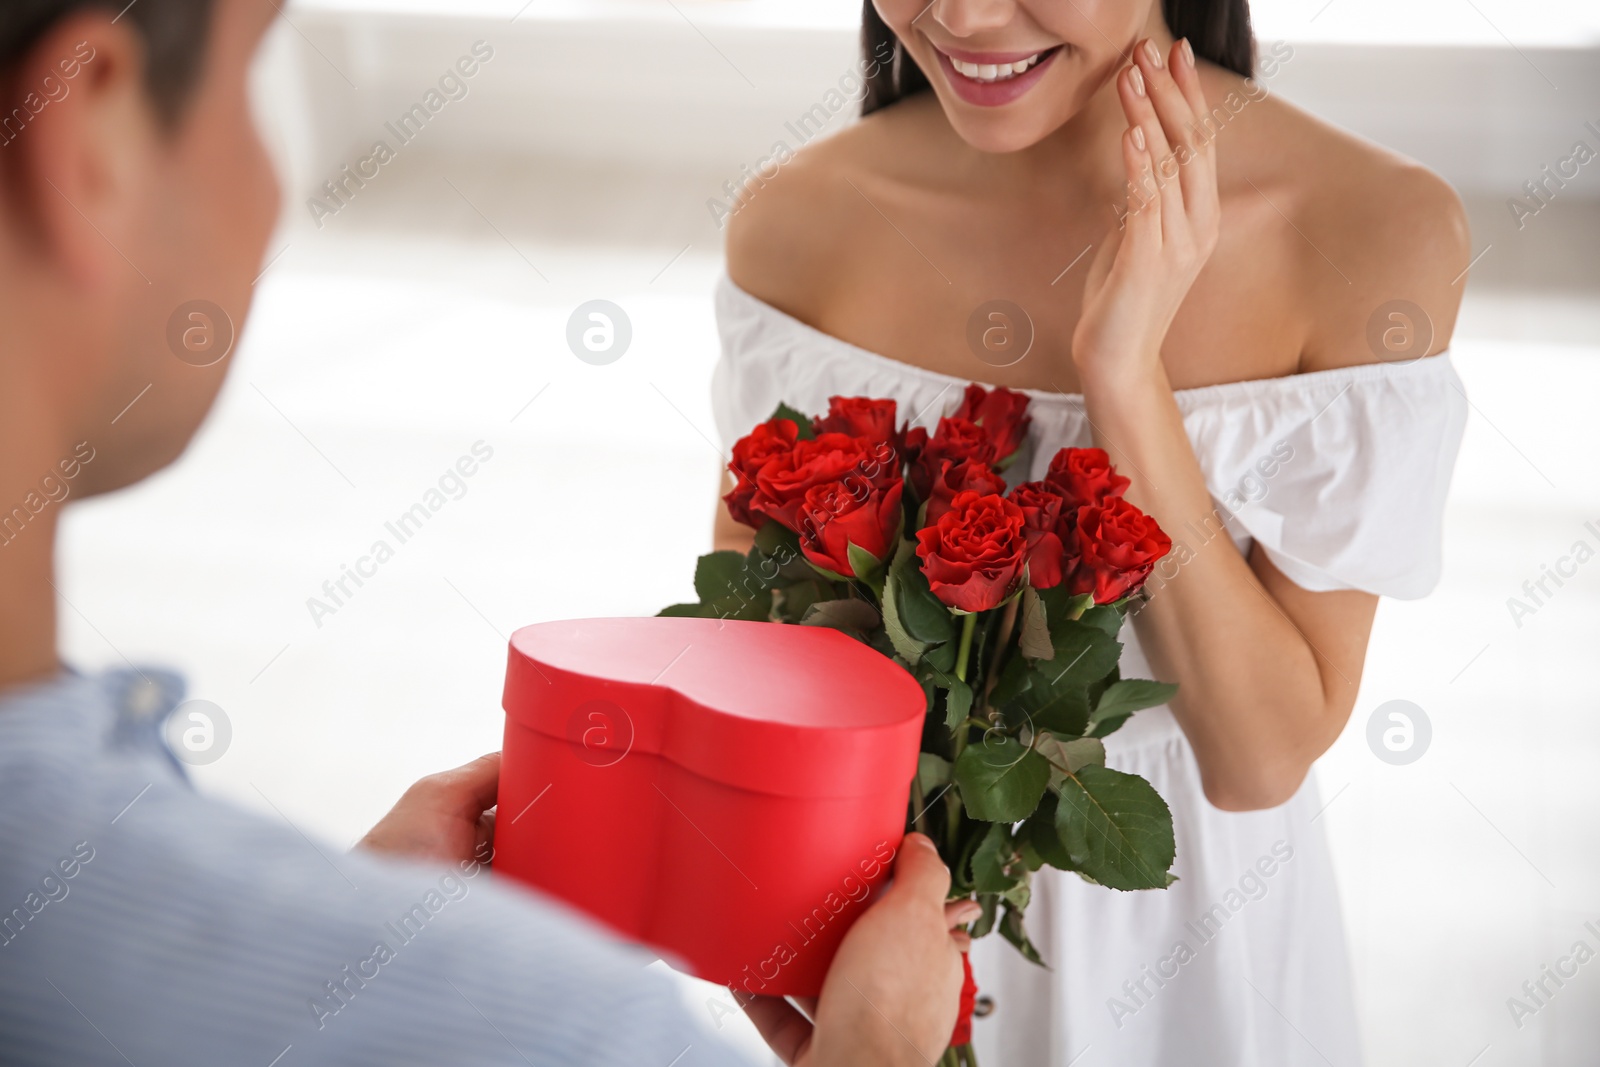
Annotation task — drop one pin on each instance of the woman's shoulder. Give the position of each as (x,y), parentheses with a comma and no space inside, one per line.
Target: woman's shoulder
(790,239)
(1373,233)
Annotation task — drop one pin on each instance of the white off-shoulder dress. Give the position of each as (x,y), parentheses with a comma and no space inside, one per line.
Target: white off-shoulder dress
(1340,476)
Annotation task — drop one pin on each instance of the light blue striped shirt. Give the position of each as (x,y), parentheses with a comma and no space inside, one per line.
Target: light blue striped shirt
(144,924)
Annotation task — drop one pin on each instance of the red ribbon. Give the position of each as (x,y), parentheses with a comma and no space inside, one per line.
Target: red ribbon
(962,1035)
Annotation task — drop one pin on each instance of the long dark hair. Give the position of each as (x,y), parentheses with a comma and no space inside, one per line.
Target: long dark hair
(1218,30)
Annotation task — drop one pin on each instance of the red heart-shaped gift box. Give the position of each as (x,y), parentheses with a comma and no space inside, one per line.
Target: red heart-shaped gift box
(726,792)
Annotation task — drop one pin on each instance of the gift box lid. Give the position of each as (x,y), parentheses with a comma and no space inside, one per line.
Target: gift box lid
(781,709)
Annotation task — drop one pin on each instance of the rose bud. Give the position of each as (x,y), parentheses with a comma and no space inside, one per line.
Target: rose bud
(959,478)
(1112,550)
(842,514)
(974,555)
(858,416)
(772,438)
(1084,476)
(1002,414)
(955,441)
(1041,514)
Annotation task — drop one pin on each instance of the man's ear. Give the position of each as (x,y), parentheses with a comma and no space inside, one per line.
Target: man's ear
(80,166)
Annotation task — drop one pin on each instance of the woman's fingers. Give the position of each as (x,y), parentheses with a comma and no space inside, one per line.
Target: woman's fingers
(1134,91)
(961,912)
(1142,224)
(785,1030)
(1200,174)
(1169,125)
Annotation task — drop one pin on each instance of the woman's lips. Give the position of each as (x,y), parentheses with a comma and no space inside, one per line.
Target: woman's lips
(992,79)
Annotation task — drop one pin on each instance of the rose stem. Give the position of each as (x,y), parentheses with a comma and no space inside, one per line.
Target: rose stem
(1008,623)
(968,623)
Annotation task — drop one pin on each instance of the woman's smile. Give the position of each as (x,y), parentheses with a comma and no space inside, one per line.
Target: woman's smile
(992,79)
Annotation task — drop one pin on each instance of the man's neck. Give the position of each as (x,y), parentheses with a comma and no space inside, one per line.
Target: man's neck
(28,520)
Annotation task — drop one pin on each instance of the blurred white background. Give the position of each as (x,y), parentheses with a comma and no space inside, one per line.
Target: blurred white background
(429,314)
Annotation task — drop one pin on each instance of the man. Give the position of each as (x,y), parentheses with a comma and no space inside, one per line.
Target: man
(139,922)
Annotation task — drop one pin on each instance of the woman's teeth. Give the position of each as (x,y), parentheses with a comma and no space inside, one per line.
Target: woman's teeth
(994,72)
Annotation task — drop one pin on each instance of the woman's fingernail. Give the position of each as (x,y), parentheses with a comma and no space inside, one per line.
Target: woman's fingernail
(1152,53)
(1187,50)
(1137,80)
(1138,138)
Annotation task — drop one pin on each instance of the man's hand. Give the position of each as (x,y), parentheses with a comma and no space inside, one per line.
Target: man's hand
(446,816)
(891,994)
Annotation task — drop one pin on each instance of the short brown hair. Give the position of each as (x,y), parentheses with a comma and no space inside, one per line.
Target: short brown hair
(175,34)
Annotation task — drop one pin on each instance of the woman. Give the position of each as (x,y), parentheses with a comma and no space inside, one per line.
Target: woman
(1235,301)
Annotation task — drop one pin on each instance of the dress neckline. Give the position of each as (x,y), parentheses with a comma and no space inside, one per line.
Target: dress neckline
(1335,380)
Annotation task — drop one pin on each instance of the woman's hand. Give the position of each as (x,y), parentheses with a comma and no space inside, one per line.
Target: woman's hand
(445,816)
(1140,277)
(891,993)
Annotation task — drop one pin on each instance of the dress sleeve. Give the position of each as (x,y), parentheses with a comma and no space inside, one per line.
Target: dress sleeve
(1342,482)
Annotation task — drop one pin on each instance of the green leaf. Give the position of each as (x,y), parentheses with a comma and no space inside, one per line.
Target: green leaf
(1021,893)
(933,771)
(992,863)
(1040,832)
(684,611)
(925,617)
(832,576)
(1126,697)
(1062,606)
(985,923)
(1084,654)
(1070,756)
(720,574)
(863,563)
(852,616)
(957,701)
(1034,638)
(906,646)
(1012,930)
(776,539)
(942,658)
(794,601)
(1001,779)
(1015,679)
(1043,695)
(1104,617)
(1116,828)
(801,422)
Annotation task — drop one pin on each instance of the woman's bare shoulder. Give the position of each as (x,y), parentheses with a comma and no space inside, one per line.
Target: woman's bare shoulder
(793,240)
(1375,234)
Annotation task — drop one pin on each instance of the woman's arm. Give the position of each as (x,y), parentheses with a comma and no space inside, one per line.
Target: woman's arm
(1268,672)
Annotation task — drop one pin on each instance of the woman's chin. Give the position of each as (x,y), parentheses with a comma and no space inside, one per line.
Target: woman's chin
(999,134)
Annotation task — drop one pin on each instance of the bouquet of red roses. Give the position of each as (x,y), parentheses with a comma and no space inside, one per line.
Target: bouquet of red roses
(1004,604)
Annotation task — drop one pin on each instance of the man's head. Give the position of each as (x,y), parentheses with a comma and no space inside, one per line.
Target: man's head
(132,183)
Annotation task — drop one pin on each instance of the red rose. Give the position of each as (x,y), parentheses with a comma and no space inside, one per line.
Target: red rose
(1041,514)
(1112,550)
(1002,414)
(975,553)
(835,516)
(858,416)
(782,481)
(958,478)
(962,1034)
(955,441)
(750,453)
(1084,476)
